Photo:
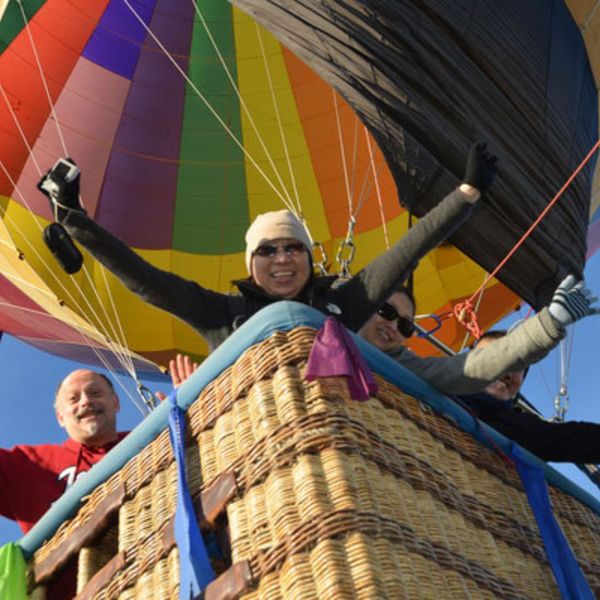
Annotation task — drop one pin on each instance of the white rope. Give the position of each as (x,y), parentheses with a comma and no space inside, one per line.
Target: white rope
(20,129)
(121,355)
(279,122)
(121,335)
(204,100)
(66,152)
(285,197)
(111,334)
(377,189)
(354,169)
(79,331)
(117,348)
(342,153)
(43,77)
(561,401)
(365,191)
(590,17)
(241,100)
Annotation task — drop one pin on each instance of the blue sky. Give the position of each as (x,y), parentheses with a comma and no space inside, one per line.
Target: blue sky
(29,378)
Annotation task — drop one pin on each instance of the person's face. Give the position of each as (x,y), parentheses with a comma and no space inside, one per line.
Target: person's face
(87,408)
(384,334)
(507,386)
(283,273)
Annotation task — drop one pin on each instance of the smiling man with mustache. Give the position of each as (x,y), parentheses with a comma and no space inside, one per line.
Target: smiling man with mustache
(33,477)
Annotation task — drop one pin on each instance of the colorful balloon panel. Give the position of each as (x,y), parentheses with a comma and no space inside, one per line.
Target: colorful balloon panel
(160,171)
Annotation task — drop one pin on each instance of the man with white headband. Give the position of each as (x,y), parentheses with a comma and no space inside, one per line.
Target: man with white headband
(278,259)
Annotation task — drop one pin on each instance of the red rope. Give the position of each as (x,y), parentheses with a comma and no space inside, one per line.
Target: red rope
(464,310)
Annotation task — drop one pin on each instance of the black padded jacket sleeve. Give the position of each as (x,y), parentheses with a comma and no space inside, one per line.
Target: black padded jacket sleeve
(360,297)
(205,310)
(572,441)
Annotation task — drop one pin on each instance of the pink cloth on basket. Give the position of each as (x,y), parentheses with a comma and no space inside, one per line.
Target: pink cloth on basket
(335,354)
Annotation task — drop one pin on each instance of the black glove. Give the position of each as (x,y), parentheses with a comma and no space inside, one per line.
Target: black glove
(481,167)
(61,186)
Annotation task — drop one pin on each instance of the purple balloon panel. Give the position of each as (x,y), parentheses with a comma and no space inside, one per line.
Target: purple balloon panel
(142,172)
(116,42)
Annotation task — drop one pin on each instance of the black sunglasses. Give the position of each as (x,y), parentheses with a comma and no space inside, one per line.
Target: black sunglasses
(271,250)
(388,312)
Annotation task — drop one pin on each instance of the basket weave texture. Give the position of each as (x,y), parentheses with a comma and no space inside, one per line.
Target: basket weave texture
(335,498)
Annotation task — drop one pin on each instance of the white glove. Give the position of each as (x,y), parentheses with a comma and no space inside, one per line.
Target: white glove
(572,301)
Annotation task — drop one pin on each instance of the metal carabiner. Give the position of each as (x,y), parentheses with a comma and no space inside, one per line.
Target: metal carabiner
(561,404)
(344,261)
(149,399)
(322,263)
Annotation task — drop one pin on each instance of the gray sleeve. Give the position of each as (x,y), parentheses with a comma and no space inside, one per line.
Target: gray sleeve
(203,309)
(360,297)
(472,371)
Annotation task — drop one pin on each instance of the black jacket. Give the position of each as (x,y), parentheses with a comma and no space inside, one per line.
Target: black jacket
(215,315)
(571,441)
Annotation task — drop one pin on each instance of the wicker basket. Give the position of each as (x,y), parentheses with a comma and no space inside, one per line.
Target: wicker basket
(321,497)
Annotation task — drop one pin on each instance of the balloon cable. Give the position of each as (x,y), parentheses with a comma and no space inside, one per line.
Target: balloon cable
(464,310)
(243,104)
(377,189)
(203,98)
(119,350)
(43,77)
(279,122)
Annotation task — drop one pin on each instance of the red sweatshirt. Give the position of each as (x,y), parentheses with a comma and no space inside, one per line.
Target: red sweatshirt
(33,477)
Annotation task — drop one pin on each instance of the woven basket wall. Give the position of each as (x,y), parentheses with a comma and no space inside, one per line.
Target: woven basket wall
(332,498)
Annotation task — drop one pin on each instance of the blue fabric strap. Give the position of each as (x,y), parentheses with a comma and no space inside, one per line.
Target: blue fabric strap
(195,570)
(571,581)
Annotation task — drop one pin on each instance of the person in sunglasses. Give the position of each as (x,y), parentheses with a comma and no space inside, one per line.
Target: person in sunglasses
(564,441)
(278,258)
(471,372)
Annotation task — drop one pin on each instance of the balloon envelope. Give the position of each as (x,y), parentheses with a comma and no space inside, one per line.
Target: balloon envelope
(186,126)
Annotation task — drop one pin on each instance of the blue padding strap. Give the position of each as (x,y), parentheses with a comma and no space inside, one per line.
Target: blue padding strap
(195,570)
(569,577)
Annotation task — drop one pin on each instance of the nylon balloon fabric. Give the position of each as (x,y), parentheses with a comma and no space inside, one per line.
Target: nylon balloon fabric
(430,77)
(188,121)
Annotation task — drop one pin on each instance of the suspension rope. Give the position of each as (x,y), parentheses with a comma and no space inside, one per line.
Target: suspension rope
(203,98)
(377,189)
(464,310)
(353,171)
(279,121)
(92,315)
(20,129)
(41,259)
(287,201)
(66,153)
(342,153)
(562,399)
(347,248)
(43,77)
(77,329)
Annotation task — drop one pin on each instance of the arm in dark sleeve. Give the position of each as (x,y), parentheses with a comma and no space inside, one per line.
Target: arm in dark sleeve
(572,441)
(203,309)
(360,297)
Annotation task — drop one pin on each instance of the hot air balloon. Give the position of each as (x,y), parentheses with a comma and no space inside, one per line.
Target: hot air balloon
(188,120)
